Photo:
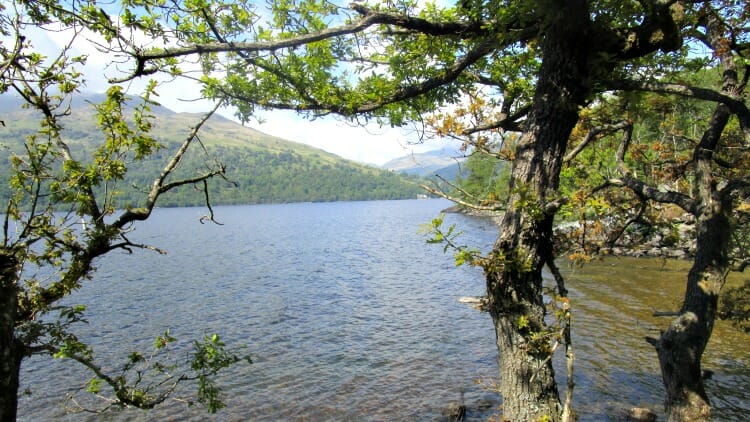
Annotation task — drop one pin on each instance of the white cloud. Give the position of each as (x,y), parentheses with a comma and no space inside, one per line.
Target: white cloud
(370,144)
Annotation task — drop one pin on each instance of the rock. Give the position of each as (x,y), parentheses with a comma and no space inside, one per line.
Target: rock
(455,412)
(641,414)
(654,252)
(472,299)
(453,209)
(477,302)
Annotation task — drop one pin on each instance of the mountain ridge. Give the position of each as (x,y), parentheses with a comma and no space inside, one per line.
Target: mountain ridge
(443,162)
(264,168)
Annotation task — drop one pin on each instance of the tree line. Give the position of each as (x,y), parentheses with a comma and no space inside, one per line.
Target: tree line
(256,176)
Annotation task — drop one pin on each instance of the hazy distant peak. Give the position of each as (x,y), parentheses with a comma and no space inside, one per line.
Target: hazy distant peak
(445,162)
(440,157)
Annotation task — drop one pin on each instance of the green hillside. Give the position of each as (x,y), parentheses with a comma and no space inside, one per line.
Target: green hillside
(260,167)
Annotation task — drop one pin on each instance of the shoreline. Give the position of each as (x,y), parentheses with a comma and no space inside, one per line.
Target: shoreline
(681,244)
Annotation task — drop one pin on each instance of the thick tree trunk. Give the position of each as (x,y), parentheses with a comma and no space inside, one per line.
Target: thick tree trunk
(11,352)
(514,272)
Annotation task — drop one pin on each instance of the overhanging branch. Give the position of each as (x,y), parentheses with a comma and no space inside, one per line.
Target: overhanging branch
(735,102)
(648,192)
(159,187)
(593,134)
(460,201)
(398,94)
(369,18)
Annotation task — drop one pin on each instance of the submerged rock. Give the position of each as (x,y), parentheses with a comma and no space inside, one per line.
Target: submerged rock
(455,412)
(641,414)
(477,302)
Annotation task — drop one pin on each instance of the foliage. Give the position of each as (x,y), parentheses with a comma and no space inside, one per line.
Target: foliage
(259,170)
(735,306)
(61,205)
(485,181)
(145,381)
(438,235)
(660,144)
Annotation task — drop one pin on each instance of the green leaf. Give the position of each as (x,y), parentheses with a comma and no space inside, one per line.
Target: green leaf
(94,385)
(163,340)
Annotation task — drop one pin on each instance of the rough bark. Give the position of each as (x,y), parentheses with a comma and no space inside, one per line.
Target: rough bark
(681,346)
(514,274)
(11,351)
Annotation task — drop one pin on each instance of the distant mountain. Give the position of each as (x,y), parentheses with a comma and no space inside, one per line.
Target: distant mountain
(263,168)
(444,162)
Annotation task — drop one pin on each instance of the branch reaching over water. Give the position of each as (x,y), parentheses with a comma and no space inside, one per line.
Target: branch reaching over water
(159,186)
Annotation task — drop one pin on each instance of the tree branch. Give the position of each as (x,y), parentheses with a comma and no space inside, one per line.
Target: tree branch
(398,94)
(506,122)
(741,265)
(592,134)
(735,102)
(370,18)
(461,202)
(648,192)
(158,187)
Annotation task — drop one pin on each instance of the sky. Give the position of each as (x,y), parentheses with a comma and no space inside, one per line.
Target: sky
(372,144)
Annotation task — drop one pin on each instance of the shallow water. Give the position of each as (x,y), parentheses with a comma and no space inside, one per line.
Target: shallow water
(613,305)
(349,315)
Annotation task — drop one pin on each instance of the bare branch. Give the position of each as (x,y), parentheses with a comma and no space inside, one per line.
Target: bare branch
(740,266)
(509,123)
(461,202)
(648,192)
(616,234)
(210,216)
(458,188)
(593,133)
(559,279)
(158,187)
(735,102)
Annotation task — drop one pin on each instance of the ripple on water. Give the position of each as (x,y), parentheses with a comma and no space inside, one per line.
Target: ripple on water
(349,315)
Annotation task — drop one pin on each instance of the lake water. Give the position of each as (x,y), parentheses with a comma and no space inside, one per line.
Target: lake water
(350,315)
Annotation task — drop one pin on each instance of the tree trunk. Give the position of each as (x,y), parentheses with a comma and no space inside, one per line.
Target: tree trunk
(11,351)
(514,271)
(681,346)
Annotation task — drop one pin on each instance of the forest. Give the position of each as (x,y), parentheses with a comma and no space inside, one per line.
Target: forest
(256,176)
(259,168)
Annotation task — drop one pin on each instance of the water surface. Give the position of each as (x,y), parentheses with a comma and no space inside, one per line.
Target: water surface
(349,315)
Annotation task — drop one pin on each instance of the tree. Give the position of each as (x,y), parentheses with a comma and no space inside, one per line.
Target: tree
(485,180)
(703,171)
(61,216)
(542,62)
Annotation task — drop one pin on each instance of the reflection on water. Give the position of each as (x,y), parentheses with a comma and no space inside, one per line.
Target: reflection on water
(349,315)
